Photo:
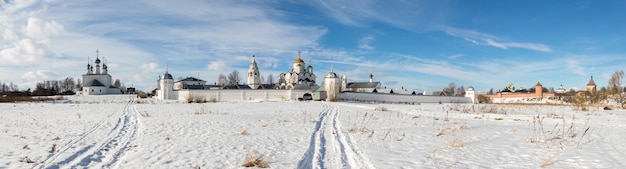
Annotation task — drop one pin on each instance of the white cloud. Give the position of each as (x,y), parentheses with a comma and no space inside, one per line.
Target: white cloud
(491,40)
(40,75)
(39,29)
(150,66)
(572,65)
(455,56)
(531,46)
(365,43)
(22,52)
(218,65)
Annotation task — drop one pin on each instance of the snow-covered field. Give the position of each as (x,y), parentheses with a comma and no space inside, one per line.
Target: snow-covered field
(121,132)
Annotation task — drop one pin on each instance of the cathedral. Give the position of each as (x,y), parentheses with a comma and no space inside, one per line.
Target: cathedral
(98,82)
(298,77)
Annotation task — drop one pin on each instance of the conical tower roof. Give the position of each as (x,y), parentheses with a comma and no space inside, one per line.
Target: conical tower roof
(591,82)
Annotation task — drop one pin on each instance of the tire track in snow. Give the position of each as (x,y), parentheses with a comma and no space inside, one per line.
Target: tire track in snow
(111,150)
(331,147)
(72,143)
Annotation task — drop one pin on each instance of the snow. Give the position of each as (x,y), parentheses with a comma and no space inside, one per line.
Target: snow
(123,132)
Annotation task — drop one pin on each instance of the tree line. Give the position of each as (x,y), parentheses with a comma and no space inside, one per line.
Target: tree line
(233,78)
(66,86)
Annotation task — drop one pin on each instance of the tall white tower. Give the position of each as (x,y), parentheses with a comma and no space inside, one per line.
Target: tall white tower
(254,77)
(166,86)
(470,93)
(332,86)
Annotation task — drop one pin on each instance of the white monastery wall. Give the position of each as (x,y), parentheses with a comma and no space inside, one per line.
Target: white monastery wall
(239,95)
(397,98)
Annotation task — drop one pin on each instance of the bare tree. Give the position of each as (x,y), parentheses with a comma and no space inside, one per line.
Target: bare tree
(233,77)
(451,88)
(117,83)
(270,79)
(79,83)
(222,80)
(261,78)
(615,85)
(460,90)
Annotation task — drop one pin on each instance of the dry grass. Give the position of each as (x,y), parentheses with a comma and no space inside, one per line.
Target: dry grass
(456,143)
(381,108)
(53,149)
(254,159)
(446,131)
(26,160)
(245,132)
(549,160)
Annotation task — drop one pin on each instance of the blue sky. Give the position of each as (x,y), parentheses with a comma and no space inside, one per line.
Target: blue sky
(419,45)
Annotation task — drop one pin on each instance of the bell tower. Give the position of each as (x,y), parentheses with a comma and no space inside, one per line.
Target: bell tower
(254,77)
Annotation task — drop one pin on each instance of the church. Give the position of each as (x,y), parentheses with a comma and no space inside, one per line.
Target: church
(98,82)
(298,77)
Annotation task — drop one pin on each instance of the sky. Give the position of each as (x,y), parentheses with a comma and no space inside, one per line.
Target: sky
(418,45)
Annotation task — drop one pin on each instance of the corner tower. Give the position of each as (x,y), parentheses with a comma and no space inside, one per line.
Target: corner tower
(591,86)
(166,86)
(254,77)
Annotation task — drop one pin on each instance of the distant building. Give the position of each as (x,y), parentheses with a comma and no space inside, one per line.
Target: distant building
(591,86)
(98,82)
(188,82)
(512,94)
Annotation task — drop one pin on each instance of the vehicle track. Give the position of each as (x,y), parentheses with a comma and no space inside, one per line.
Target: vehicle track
(331,147)
(106,153)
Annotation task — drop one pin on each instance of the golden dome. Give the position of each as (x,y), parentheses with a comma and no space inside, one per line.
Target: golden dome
(299,61)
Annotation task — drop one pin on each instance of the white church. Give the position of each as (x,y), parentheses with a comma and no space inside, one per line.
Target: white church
(98,82)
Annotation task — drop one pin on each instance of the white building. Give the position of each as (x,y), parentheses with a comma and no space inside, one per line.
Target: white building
(98,82)
(298,77)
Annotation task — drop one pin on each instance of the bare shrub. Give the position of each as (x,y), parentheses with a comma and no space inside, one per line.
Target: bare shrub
(381,108)
(168,138)
(456,143)
(26,160)
(483,99)
(255,159)
(200,99)
(53,149)
(446,131)
(245,132)
(26,147)
(142,95)
(213,99)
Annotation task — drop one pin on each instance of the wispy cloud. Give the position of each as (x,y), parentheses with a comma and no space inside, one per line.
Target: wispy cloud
(491,40)
(365,43)
(572,65)
(455,56)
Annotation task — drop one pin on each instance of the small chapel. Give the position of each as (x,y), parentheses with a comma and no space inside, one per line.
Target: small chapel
(98,82)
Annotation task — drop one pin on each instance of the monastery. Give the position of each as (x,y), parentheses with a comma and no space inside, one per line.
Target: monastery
(297,84)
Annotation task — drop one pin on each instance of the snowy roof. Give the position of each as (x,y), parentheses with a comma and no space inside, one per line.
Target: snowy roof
(191,79)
